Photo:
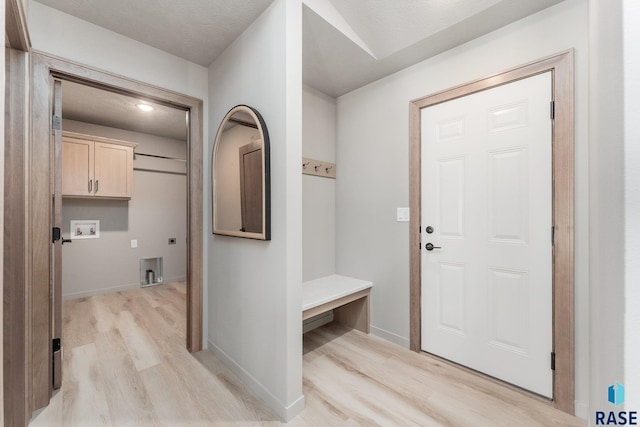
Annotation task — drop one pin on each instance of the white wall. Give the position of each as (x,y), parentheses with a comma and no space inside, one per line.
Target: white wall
(631,10)
(318,194)
(254,286)
(71,38)
(156,211)
(372,156)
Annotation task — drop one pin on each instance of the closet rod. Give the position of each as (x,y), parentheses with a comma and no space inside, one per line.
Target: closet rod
(158,156)
(159,171)
(243,123)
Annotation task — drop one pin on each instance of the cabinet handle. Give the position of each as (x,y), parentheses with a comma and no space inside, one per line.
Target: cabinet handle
(90,185)
(96,186)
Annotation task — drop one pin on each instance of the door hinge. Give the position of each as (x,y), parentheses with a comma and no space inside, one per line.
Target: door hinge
(56,344)
(56,123)
(553,361)
(553,110)
(553,235)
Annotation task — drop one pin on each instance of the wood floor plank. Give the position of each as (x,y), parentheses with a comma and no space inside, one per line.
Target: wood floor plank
(235,394)
(174,317)
(126,365)
(51,415)
(127,398)
(78,323)
(153,297)
(105,312)
(185,372)
(360,397)
(84,399)
(171,405)
(142,348)
(438,385)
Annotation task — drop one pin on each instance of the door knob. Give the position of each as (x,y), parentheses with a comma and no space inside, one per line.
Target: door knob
(66,241)
(430,247)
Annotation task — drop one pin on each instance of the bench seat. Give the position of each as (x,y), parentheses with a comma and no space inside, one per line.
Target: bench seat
(346,296)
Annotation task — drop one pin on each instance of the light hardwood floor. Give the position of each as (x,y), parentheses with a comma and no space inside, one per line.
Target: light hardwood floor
(125,364)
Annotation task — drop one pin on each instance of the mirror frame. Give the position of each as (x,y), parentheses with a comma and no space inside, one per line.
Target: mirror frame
(266,176)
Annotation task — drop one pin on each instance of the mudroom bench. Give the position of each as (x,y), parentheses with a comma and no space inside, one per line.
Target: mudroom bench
(346,296)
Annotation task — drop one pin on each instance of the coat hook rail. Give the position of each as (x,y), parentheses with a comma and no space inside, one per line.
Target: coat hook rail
(318,168)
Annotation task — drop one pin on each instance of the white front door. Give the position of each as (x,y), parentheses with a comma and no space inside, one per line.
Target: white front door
(486,208)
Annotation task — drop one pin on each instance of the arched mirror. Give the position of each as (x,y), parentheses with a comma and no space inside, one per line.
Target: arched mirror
(240,176)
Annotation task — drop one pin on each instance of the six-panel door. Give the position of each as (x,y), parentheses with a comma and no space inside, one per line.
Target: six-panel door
(487,194)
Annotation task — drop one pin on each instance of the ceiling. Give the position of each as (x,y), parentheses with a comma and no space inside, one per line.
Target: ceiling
(90,105)
(196,30)
(346,44)
(393,35)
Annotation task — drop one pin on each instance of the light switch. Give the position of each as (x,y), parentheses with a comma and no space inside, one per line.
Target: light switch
(402,215)
(134,244)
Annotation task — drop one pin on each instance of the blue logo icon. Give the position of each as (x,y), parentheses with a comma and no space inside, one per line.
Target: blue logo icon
(616,394)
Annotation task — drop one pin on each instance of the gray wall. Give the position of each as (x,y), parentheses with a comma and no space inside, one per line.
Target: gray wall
(318,194)
(255,296)
(156,212)
(372,155)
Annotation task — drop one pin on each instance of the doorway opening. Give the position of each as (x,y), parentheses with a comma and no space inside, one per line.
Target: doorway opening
(144,219)
(47,73)
(560,67)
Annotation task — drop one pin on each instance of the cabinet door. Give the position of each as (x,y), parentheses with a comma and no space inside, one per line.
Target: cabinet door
(113,170)
(77,167)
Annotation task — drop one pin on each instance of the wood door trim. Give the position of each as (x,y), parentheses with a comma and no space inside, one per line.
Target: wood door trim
(561,67)
(56,256)
(43,67)
(16,26)
(15,295)
(15,404)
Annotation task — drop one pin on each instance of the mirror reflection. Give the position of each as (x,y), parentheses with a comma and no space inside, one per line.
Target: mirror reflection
(240,175)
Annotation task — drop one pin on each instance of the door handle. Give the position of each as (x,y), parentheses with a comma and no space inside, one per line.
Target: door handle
(90,185)
(96,187)
(66,241)
(430,247)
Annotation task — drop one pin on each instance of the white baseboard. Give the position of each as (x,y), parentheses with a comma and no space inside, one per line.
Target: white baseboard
(390,336)
(286,413)
(581,410)
(114,289)
(101,291)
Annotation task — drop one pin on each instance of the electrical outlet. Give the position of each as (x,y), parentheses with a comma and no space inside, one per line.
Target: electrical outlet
(134,244)
(172,240)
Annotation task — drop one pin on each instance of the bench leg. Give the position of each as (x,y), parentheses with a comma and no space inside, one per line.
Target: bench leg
(355,314)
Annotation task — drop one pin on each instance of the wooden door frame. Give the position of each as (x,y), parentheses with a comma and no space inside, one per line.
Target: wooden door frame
(561,68)
(15,405)
(43,68)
